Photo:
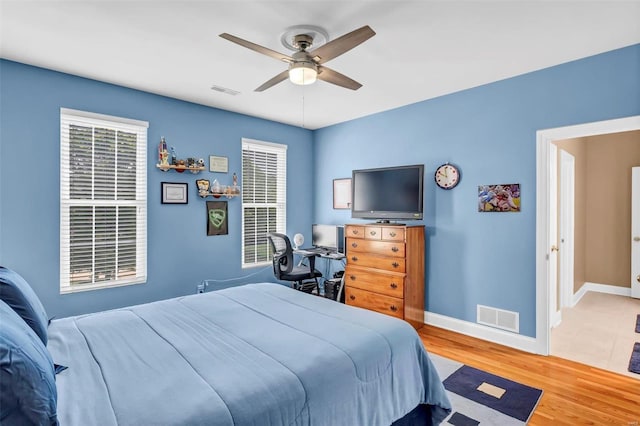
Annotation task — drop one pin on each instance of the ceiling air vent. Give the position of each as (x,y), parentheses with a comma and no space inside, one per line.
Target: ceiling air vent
(225,90)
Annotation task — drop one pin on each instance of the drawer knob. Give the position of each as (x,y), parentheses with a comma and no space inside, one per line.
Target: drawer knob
(354,258)
(393,285)
(352,277)
(372,232)
(393,308)
(352,297)
(395,264)
(355,232)
(394,249)
(393,234)
(354,245)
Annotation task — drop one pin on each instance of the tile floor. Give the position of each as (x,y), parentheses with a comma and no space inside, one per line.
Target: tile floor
(599,331)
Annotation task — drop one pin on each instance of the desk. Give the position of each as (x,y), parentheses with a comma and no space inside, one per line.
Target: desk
(324,254)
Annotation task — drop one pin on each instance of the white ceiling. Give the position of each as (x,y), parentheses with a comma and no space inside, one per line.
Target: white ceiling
(421,50)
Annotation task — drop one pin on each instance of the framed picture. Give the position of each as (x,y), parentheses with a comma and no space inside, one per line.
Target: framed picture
(342,193)
(174,193)
(499,198)
(217,221)
(218,164)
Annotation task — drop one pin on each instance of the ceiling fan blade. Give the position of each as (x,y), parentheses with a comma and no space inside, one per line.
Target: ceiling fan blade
(343,44)
(334,77)
(257,48)
(275,80)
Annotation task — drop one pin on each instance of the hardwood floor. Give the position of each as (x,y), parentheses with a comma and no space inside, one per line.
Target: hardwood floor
(574,394)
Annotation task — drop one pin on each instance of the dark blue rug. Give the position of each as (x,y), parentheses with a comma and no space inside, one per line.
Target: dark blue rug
(638,324)
(506,396)
(634,362)
(481,398)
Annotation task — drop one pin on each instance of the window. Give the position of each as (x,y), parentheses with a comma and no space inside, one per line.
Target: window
(103,201)
(264,195)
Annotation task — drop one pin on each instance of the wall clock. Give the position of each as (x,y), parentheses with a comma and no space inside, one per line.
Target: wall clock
(447,176)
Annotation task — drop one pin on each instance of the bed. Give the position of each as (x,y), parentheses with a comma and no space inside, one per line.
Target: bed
(258,354)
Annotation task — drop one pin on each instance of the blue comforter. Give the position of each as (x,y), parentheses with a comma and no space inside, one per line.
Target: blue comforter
(259,354)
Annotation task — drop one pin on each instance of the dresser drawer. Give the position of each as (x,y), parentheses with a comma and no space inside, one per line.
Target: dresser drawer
(375,302)
(383,248)
(393,233)
(394,264)
(373,233)
(353,231)
(389,283)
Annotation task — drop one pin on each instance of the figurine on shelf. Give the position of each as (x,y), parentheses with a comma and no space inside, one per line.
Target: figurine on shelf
(203,187)
(216,189)
(174,156)
(235,189)
(163,154)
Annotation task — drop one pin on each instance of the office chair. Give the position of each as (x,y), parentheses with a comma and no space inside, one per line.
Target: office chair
(284,268)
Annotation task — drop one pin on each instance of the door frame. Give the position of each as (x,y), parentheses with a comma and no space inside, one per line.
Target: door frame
(554,313)
(635,232)
(544,138)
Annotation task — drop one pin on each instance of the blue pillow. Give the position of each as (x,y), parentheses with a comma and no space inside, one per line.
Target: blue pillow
(15,292)
(28,393)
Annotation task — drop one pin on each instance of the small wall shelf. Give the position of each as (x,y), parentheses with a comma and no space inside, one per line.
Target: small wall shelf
(226,194)
(179,169)
(230,192)
(215,190)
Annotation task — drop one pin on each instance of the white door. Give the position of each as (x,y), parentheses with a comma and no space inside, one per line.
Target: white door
(635,232)
(554,313)
(567,209)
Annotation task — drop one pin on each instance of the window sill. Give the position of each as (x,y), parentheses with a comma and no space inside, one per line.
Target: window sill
(256,265)
(98,286)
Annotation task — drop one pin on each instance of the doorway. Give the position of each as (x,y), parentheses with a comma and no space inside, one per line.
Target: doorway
(545,274)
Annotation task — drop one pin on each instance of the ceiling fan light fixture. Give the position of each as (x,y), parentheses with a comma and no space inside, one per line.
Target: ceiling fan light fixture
(303,73)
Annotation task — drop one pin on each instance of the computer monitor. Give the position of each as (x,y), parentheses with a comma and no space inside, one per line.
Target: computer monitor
(330,237)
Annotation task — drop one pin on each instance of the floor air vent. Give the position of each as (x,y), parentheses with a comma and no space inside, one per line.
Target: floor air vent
(499,318)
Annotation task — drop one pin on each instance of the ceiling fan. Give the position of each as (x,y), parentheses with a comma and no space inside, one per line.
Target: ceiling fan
(306,66)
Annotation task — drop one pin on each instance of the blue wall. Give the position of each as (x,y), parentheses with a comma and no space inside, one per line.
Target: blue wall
(490,133)
(179,251)
(472,258)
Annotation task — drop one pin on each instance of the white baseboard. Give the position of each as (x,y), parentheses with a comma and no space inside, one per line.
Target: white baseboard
(600,288)
(517,341)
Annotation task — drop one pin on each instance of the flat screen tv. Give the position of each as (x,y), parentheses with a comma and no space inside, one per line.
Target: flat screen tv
(388,193)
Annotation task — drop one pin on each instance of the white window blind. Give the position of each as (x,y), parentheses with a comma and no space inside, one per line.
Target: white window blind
(264,198)
(103,201)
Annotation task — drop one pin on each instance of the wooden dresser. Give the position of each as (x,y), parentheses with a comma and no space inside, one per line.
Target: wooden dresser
(385,270)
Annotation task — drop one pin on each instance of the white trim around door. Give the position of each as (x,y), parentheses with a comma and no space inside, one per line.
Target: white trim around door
(543,243)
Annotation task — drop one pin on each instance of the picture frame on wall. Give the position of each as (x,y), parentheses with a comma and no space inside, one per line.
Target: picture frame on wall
(342,193)
(217,219)
(218,164)
(502,198)
(174,193)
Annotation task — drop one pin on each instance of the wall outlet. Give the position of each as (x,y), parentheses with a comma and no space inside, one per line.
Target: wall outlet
(200,288)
